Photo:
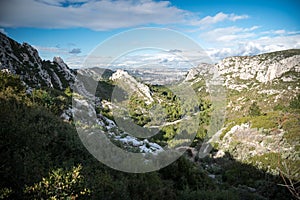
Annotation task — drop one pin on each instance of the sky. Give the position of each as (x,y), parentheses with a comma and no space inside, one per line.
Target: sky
(72,29)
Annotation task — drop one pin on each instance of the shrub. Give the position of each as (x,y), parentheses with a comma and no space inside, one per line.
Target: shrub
(292,126)
(59,184)
(267,121)
(254,109)
(295,103)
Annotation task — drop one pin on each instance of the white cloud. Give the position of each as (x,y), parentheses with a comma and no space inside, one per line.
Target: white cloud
(256,46)
(236,41)
(101,14)
(74,61)
(219,17)
(225,36)
(70,56)
(96,15)
(275,32)
(3,31)
(251,28)
(113,14)
(61,2)
(142,59)
(279,32)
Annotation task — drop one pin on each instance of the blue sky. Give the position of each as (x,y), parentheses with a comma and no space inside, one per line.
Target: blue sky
(73,28)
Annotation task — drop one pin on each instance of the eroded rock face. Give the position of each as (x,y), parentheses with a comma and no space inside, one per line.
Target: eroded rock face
(263,68)
(63,68)
(24,60)
(271,77)
(242,73)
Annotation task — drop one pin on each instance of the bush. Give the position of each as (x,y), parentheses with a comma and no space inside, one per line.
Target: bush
(292,126)
(188,194)
(254,110)
(60,184)
(295,103)
(267,121)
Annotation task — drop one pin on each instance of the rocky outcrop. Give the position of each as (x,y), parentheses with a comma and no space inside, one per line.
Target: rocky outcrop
(131,85)
(244,142)
(263,68)
(24,60)
(239,72)
(248,144)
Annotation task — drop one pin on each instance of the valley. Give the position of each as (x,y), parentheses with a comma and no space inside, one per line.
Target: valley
(240,130)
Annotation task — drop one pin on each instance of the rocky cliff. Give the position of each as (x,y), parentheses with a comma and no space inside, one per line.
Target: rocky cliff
(263,68)
(24,60)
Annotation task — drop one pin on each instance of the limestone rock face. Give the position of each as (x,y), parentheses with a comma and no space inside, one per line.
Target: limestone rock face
(259,69)
(272,73)
(24,60)
(263,68)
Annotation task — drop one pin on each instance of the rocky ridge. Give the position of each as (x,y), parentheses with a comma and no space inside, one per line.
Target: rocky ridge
(270,78)
(263,68)
(131,85)
(24,60)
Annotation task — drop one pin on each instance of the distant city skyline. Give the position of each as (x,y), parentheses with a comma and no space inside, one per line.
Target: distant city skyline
(71,29)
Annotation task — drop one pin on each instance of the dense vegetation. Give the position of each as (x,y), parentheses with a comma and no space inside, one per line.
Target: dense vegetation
(166,108)
(43,158)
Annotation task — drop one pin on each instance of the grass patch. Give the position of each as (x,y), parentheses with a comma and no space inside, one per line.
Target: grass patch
(267,121)
(271,160)
(292,126)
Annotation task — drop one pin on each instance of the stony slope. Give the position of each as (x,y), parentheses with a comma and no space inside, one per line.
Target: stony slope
(131,85)
(270,79)
(262,119)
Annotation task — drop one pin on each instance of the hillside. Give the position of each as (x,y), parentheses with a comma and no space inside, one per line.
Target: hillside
(262,113)
(47,118)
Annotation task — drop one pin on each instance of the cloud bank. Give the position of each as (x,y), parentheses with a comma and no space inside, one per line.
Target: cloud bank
(96,15)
